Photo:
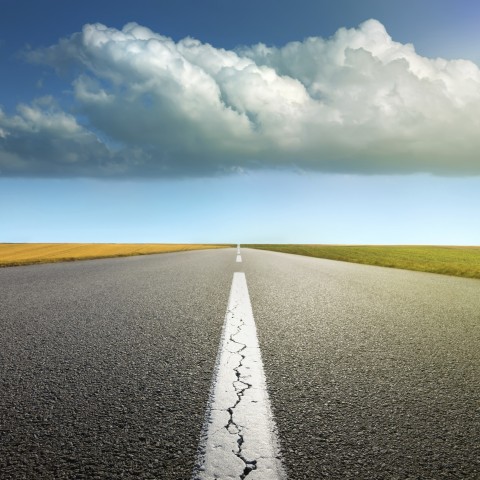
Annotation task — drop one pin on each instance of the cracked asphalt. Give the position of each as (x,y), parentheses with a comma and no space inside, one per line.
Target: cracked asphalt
(106,365)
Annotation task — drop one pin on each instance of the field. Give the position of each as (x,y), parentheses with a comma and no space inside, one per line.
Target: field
(458,261)
(12,254)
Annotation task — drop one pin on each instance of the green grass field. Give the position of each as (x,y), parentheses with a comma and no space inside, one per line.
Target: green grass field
(458,261)
(14,254)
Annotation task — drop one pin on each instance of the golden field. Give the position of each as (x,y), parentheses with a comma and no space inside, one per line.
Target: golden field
(12,254)
(446,260)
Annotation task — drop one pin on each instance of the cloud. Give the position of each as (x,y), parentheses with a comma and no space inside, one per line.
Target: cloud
(357,102)
(41,140)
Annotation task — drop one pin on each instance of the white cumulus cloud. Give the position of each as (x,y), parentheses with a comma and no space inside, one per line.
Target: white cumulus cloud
(357,102)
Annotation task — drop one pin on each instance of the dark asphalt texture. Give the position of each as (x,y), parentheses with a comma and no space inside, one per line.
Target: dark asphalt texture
(373,373)
(106,365)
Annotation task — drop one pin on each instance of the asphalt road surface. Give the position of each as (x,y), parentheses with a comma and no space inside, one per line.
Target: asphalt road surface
(106,366)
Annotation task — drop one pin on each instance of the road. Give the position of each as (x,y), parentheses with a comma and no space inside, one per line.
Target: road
(106,366)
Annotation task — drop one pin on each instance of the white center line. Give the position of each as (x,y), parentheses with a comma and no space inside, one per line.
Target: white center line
(239,439)
(239,258)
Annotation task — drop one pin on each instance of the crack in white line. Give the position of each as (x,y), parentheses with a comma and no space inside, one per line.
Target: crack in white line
(239,436)
(240,391)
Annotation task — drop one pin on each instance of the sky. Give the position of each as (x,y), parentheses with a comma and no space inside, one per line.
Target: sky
(352,122)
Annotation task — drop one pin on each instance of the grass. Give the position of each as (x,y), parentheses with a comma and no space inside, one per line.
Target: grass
(446,260)
(13,254)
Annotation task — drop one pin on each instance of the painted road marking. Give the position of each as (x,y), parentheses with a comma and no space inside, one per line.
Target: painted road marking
(239,439)
(239,258)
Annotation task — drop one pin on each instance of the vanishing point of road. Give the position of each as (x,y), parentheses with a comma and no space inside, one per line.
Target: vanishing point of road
(106,366)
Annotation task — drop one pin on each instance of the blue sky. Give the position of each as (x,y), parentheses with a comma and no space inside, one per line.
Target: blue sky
(133,134)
